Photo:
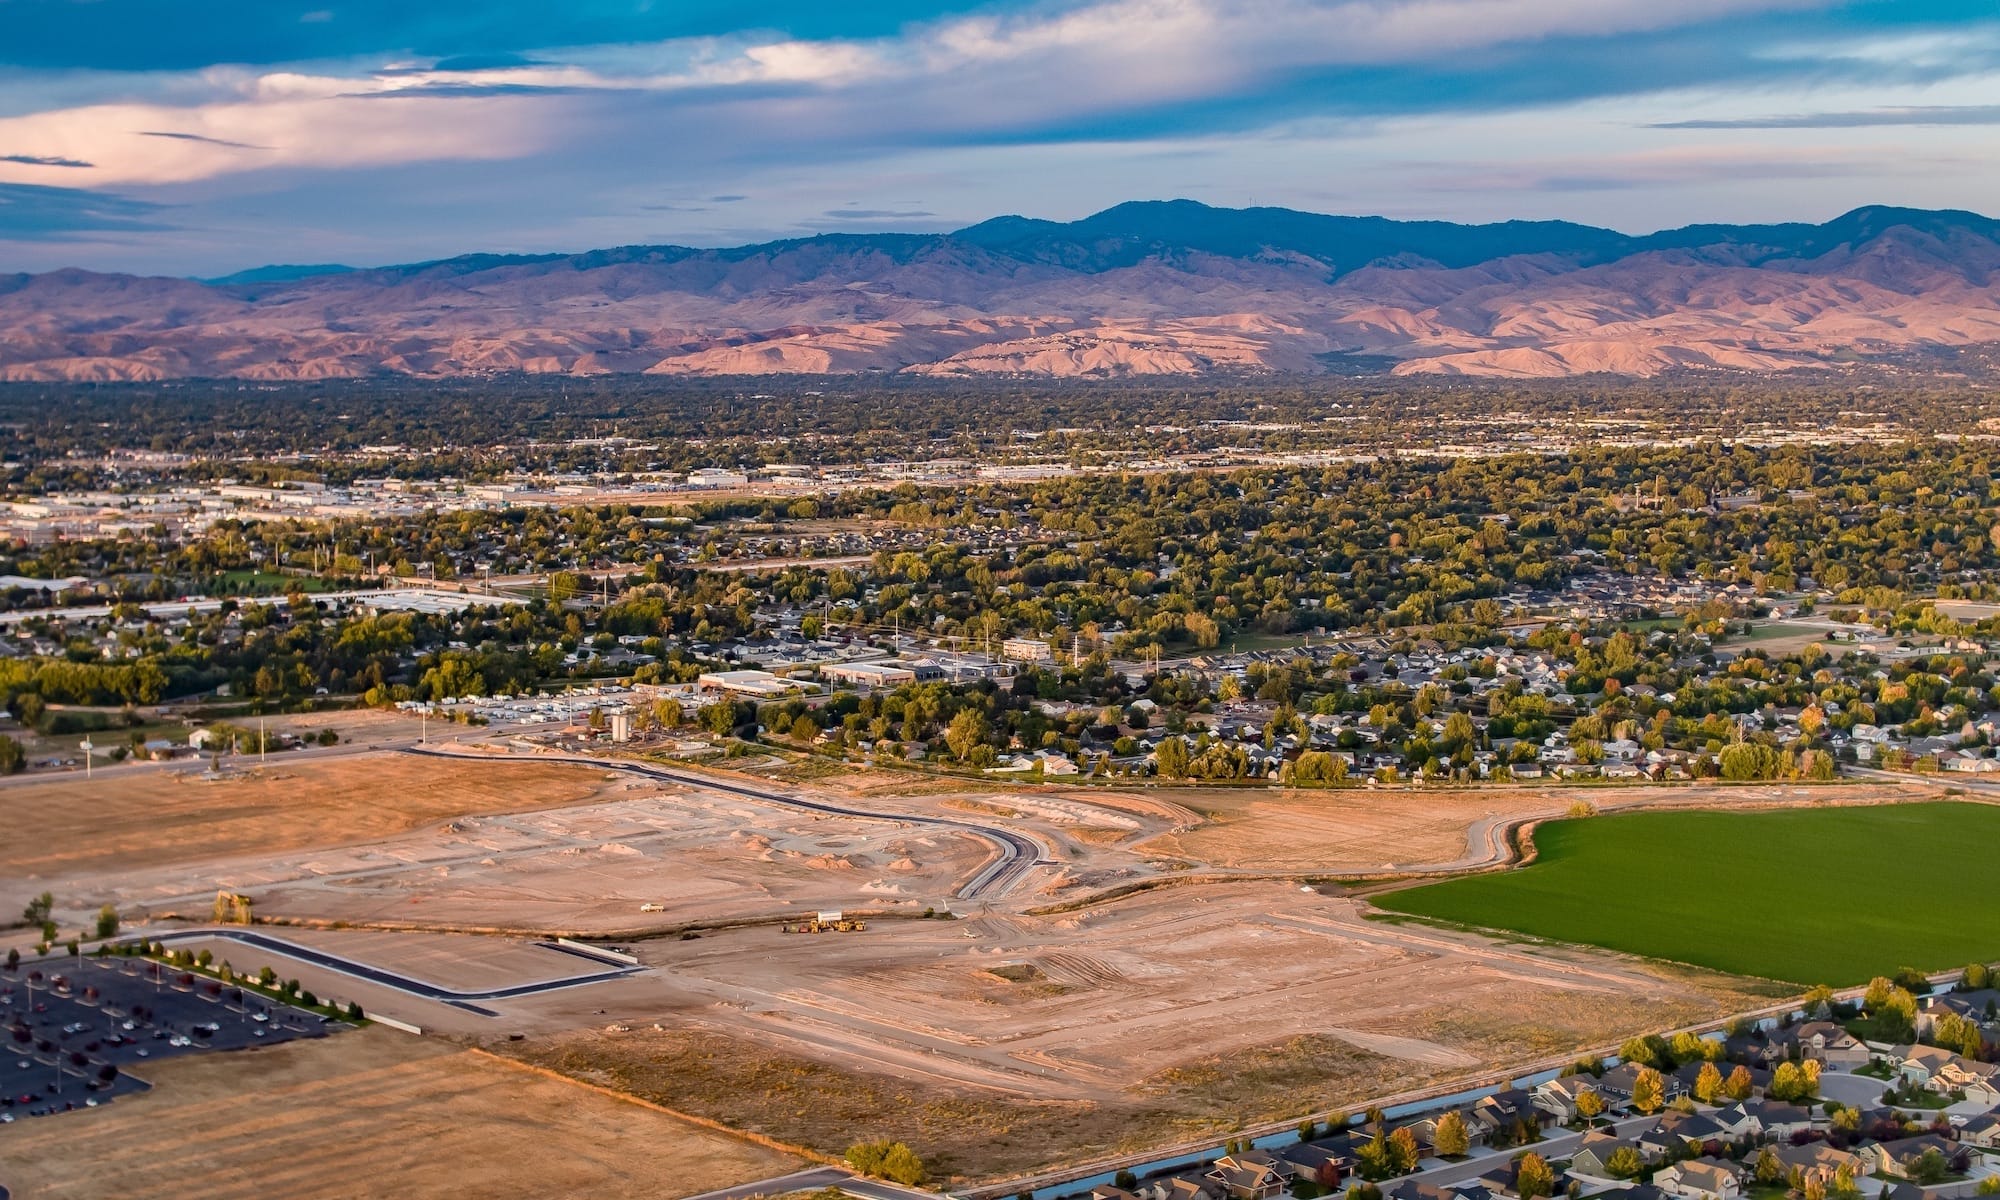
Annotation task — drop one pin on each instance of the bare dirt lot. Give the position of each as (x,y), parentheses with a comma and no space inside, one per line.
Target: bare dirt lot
(617,847)
(370,1114)
(154,816)
(998,1043)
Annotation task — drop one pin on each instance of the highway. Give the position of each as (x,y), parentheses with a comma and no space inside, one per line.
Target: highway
(1018,853)
(390,979)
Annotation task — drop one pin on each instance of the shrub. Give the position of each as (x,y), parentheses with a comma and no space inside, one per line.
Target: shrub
(893,1161)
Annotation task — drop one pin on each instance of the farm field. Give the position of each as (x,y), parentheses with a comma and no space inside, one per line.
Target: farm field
(366,1114)
(1822,895)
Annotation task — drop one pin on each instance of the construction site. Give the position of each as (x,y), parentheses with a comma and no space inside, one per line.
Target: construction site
(1008,976)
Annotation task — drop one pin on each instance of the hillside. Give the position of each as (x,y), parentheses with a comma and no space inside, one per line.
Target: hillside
(1143,288)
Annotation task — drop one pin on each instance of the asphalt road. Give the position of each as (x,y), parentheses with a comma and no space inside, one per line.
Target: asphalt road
(815,1178)
(1018,852)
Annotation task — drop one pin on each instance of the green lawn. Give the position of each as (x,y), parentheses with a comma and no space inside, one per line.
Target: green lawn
(271,583)
(1824,895)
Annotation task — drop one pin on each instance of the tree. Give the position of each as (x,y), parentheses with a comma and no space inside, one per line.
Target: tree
(1451,1139)
(1688,1047)
(12,758)
(1624,1163)
(1769,1171)
(1978,976)
(1844,1187)
(803,729)
(966,732)
(38,910)
(563,586)
(1308,1130)
(1931,1167)
(719,718)
(1649,1092)
(1739,1084)
(1589,1105)
(1372,1157)
(893,1161)
(1172,757)
(107,922)
(1403,1153)
(1533,1177)
(1787,1082)
(1708,1083)
(1648,1051)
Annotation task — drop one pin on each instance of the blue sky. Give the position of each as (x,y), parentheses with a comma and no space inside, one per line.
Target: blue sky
(203,137)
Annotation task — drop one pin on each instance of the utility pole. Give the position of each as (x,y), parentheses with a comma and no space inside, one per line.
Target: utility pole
(260,742)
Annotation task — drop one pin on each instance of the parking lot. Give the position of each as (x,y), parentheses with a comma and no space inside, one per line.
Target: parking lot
(75,1027)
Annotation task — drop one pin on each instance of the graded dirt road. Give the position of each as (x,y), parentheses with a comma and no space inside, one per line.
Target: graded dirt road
(368,1114)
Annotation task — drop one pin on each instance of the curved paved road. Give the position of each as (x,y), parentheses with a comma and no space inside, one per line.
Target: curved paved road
(1018,852)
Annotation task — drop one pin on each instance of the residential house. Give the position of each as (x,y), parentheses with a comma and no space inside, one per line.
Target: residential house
(1175,1189)
(1321,1163)
(1832,1045)
(1982,1005)
(1945,1072)
(1559,1097)
(1416,1189)
(1618,1082)
(1695,1129)
(1895,1159)
(1700,1179)
(1501,1183)
(1593,1156)
(1502,1111)
(1737,1122)
(1252,1175)
(1982,1131)
(1817,1161)
(1777,1119)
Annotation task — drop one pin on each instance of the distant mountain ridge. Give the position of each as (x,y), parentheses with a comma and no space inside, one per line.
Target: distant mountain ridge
(1150,287)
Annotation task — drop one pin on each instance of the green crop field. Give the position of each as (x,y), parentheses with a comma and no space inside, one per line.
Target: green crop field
(1821,895)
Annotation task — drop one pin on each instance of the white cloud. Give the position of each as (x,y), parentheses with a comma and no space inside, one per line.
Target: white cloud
(283,126)
(973,75)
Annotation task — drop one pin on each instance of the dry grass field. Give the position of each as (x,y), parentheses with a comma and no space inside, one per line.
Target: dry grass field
(961,1135)
(150,818)
(1345,830)
(370,1114)
(1365,829)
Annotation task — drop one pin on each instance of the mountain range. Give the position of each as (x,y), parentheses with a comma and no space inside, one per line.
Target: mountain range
(1145,288)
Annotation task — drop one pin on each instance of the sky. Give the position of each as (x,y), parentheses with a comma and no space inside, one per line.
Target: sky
(199,137)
